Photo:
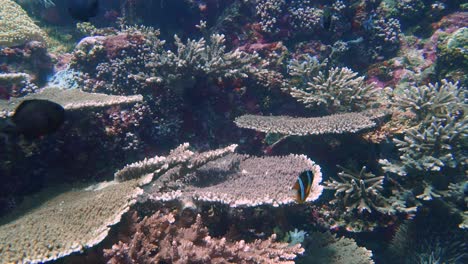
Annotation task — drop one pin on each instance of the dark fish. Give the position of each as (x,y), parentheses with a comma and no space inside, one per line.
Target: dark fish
(303,185)
(83,10)
(34,118)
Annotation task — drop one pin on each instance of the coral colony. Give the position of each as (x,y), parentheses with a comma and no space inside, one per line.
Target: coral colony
(233,131)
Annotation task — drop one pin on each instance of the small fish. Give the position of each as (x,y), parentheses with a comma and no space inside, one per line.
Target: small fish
(83,10)
(303,185)
(33,119)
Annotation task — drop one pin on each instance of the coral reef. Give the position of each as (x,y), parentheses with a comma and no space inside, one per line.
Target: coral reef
(66,223)
(431,237)
(31,58)
(16,27)
(438,135)
(187,176)
(164,237)
(243,181)
(360,191)
(336,90)
(332,124)
(327,248)
(180,158)
(15,85)
(69,99)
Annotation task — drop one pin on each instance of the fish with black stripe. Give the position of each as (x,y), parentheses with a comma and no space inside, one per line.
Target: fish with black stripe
(303,185)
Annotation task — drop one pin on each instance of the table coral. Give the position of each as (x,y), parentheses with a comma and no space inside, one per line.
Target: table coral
(67,223)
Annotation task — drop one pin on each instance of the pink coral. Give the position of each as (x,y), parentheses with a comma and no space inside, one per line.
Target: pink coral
(162,238)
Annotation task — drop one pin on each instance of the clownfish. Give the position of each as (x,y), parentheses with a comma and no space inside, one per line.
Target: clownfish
(303,185)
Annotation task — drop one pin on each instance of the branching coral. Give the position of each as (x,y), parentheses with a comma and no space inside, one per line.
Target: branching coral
(16,84)
(134,60)
(442,143)
(269,12)
(163,238)
(438,137)
(361,191)
(209,59)
(336,90)
(304,16)
(432,100)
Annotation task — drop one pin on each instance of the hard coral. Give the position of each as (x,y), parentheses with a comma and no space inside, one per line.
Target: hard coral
(67,223)
(16,27)
(161,238)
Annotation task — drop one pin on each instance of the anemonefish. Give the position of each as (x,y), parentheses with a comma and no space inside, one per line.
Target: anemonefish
(303,185)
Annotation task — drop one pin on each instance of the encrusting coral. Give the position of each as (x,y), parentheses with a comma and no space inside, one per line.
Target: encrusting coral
(163,237)
(16,27)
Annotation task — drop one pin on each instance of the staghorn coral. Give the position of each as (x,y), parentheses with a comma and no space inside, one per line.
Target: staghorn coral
(133,61)
(430,148)
(360,191)
(336,90)
(70,99)
(301,126)
(211,59)
(438,135)
(432,100)
(327,248)
(240,181)
(66,223)
(163,238)
(16,27)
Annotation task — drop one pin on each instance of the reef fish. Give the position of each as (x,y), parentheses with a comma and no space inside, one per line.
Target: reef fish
(83,10)
(303,185)
(33,119)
